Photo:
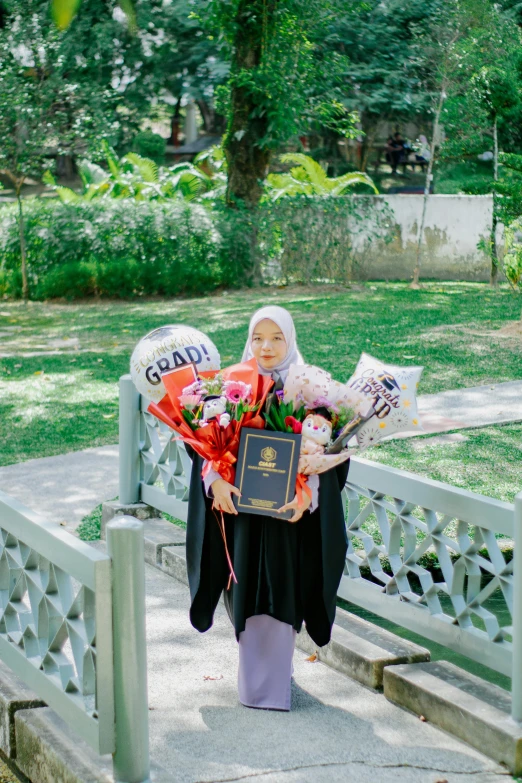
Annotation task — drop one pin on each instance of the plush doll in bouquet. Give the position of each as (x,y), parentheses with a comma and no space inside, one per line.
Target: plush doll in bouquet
(316,432)
(316,438)
(215,407)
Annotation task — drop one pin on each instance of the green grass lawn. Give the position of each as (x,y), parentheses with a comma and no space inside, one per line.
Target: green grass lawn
(60,363)
(489,462)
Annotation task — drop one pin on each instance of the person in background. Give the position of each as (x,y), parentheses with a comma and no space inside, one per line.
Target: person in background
(395,151)
(422,151)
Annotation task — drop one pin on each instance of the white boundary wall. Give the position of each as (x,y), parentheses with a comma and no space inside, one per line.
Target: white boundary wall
(453,229)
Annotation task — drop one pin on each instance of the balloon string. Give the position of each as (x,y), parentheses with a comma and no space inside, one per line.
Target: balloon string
(221,525)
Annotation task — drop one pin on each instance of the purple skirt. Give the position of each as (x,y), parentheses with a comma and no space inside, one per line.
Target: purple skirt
(266,649)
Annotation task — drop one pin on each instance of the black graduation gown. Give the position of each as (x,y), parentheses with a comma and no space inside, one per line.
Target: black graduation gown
(288,571)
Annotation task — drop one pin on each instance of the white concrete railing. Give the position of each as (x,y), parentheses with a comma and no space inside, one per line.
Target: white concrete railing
(394,519)
(72,627)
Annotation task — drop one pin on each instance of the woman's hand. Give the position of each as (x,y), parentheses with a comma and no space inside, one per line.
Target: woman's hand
(223,492)
(299,508)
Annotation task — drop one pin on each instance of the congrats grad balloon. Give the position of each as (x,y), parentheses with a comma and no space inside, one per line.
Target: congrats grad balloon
(392,391)
(165,349)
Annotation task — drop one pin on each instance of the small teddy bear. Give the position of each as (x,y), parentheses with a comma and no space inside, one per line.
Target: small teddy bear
(215,407)
(316,434)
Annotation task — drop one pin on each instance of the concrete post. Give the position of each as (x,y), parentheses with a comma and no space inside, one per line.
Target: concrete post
(191,128)
(516,682)
(131,762)
(129,442)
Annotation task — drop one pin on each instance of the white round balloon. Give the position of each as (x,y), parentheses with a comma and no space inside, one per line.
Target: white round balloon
(165,349)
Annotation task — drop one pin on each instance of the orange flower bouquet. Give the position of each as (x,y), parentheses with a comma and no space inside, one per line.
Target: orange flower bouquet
(208,410)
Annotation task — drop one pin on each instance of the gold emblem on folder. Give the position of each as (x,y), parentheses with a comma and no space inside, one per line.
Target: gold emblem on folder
(269,454)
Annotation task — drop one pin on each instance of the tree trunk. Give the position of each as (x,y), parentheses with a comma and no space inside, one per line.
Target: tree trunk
(367,143)
(247,160)
(207,113)
(493,244)
(416,272)
(65,166)
(21,228)
(175,125)
(495,149)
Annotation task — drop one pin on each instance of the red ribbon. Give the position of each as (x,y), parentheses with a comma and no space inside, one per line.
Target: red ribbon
(301,486)
(221,525)
(219,446)
(222,465)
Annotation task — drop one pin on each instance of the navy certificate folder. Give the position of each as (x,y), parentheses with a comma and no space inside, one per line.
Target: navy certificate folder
(266,471)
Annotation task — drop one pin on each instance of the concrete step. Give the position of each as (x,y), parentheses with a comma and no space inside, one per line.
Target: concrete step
(462,704)
(174,562)
(49,752)
(113,508)
(362,650)
(41,744)
(158,534)
(14,696)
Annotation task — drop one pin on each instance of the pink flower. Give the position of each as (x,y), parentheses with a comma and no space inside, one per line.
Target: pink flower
(324,402)
(237,391)
(189,401)
(194,388)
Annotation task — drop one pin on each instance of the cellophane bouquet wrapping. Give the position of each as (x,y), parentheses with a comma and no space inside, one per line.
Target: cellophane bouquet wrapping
(321,409)
(207,411)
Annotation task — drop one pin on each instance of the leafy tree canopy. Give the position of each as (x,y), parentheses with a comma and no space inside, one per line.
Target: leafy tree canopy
(384,76)
(486,87)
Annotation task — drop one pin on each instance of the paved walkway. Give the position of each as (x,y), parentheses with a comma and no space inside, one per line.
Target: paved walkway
(474,407)
(69,486)
(337,730)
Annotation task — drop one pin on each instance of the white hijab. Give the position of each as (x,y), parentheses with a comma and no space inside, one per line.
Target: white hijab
(284,321)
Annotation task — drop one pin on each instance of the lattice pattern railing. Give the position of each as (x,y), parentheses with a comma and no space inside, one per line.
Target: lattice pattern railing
(394,521)
(56,620)
(164,465)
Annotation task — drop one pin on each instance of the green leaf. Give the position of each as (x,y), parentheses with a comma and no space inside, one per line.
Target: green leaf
(347,181)
(127,6)
(90,173)
(95,190)
(112,160)
(315,173)
(64,11)
(67,195)
(146,167)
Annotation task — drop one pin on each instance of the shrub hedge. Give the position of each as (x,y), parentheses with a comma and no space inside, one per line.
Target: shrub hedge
(109,247)
(127,248)
(150,145)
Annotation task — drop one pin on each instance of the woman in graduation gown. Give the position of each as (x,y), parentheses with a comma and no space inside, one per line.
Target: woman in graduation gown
(288,571)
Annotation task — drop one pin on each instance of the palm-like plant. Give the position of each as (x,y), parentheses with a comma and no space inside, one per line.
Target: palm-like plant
(213,164)
(310,179)
(134,177)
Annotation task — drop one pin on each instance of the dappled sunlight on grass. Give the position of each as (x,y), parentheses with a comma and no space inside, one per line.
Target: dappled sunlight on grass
(488,462)
(81,349)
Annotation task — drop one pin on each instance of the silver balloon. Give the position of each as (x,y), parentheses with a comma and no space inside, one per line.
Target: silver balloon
(165,349)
